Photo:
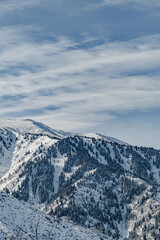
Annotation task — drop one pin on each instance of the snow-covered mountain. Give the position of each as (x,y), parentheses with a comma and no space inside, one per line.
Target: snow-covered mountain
(89,180)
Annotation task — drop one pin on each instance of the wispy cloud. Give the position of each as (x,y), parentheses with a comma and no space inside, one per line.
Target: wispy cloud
(72,86)
(9,5)
(131,3)
(145,5)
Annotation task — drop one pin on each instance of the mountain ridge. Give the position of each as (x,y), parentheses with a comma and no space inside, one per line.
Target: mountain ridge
(90,180)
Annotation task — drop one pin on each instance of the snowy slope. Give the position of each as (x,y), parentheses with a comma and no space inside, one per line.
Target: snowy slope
(90,180)
(20,221)
(100,136)
(7,145)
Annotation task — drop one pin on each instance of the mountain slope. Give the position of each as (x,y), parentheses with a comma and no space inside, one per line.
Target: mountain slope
(7,145)
(20,221)
(91,180)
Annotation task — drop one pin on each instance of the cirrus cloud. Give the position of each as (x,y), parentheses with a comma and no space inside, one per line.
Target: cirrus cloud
(80,86)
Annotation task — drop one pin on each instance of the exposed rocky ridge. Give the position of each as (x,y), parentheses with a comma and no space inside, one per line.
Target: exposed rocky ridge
(91,180)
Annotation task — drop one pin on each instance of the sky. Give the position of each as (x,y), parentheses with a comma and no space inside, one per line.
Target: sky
(83,66)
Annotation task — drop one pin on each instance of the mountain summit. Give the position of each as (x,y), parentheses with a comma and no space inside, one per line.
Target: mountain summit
(103,187)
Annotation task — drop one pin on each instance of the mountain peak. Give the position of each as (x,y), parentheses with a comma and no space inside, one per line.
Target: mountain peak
(30,126)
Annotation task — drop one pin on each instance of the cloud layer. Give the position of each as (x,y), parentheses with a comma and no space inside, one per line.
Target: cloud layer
(73,86)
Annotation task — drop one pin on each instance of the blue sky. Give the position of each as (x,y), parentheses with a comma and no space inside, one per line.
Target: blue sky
(83,65)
